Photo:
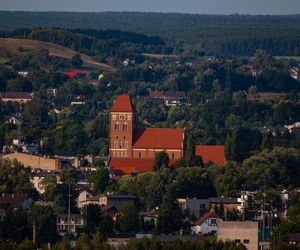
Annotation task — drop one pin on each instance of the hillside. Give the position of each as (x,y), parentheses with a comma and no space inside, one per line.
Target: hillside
(13,45)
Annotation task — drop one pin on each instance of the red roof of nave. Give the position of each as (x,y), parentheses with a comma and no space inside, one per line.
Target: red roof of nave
(159,138)
(123,104)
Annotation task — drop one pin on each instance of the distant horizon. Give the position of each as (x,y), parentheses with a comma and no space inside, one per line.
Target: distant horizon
(201,7)
(148,12)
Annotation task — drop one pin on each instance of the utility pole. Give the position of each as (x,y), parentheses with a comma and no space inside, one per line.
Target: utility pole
(69,207)
(34,231)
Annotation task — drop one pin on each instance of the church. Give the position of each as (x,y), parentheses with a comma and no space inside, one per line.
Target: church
(133,149)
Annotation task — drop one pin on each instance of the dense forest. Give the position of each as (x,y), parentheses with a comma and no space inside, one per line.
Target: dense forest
(232,35)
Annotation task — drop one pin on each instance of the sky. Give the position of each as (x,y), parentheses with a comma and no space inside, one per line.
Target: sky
(280,7)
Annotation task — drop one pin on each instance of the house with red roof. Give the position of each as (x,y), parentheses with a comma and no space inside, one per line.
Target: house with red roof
(211,154)
(133,149)
(207,224)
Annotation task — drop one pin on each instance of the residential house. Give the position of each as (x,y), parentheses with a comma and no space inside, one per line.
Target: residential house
(195,207)
(294,238)
(207,224)
(116,200)
(38,182)
(149,217)
(228,204)
(15,200)
(170,98)
(64,223)
(84,195)
(110,211)
(244,232)
(20,97)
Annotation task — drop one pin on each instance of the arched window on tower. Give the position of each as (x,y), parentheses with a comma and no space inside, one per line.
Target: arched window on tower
(125,127)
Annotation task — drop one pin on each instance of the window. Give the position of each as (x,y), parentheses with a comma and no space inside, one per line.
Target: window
(120,144)
(121,117)
(117,126)
(128,117)
(246,241)
(114,117)
(173,155)
(237,241)
(125,127)
(116,144)
(140,155)
(126,144)
(117,154)
(121,154)
(213,222)
(125,154)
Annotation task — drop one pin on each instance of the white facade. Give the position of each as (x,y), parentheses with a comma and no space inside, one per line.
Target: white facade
(209,226)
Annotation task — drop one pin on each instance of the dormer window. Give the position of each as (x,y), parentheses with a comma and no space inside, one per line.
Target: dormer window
(125,127)
(117,126)
(128,117)
(121,117)
(114,117)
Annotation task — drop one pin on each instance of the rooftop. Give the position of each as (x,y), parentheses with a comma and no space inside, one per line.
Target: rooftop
(214,154)
(159,138)
(123,104)
(209,214)
(17,95)
(131,165)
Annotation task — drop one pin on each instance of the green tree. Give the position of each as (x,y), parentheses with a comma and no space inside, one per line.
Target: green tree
(76,61)
(99,179)
(83,242)
(128,220)
(161,161)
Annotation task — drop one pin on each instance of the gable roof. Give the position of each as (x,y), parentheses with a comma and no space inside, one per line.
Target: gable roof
(17,95)
(209,214)
(215,154)
(123,104)
(131,165)
(159,138)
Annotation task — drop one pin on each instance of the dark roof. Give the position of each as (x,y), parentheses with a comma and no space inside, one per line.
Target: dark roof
(17,95)
(107,208)
(159,138)
(123,104)
(294,237)
(224,200)
(213,153)
(121,196)
(209,214)
(14,200)
(167,94)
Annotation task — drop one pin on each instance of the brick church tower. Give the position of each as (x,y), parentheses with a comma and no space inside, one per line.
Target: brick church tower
(122,125)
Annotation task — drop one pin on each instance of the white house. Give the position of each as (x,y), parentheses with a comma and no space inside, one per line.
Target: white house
(207,224)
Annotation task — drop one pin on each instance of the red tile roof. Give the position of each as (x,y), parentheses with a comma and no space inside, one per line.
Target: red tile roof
(215,154)
(131,165)
(209,214)
(159,138)
(123,104)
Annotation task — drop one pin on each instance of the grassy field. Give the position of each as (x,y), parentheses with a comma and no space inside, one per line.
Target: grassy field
(12,46)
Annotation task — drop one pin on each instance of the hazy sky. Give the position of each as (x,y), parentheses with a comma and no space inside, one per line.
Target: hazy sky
(183,6)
